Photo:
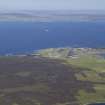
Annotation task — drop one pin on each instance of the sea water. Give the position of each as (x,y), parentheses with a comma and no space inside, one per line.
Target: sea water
(23,37)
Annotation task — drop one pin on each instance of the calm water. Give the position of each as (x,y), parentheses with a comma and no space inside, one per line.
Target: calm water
(20,37)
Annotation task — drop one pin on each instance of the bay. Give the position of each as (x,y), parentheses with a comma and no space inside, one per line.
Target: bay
(24,37)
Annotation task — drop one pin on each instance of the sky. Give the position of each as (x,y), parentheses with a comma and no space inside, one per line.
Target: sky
(52,4)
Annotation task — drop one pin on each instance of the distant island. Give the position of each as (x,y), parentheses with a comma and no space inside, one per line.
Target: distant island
(48,16)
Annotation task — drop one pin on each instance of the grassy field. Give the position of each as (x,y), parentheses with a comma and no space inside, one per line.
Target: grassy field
(96,67)
(91,69)
(88,61)
(53,78)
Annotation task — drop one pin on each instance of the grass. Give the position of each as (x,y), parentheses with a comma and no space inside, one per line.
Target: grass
(24,74)
(67,103)
(91,67)
(15,104)
(82,60)
(54,53)
(40,87)
(98,96)
(88,61)
(89,76)
(94,66)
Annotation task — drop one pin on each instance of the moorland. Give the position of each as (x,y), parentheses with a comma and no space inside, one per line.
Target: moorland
(55,76)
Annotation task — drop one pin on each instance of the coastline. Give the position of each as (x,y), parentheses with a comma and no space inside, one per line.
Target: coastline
(33,52)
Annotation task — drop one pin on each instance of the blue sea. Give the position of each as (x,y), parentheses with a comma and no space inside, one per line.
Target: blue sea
(25,37)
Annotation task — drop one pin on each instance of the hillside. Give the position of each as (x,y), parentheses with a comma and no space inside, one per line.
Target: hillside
(53,77)
(91,64)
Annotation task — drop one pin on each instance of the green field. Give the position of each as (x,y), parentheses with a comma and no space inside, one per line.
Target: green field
(96,67)
(91,69)
(88,61)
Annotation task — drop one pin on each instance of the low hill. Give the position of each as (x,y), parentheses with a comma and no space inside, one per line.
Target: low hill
(53,77)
